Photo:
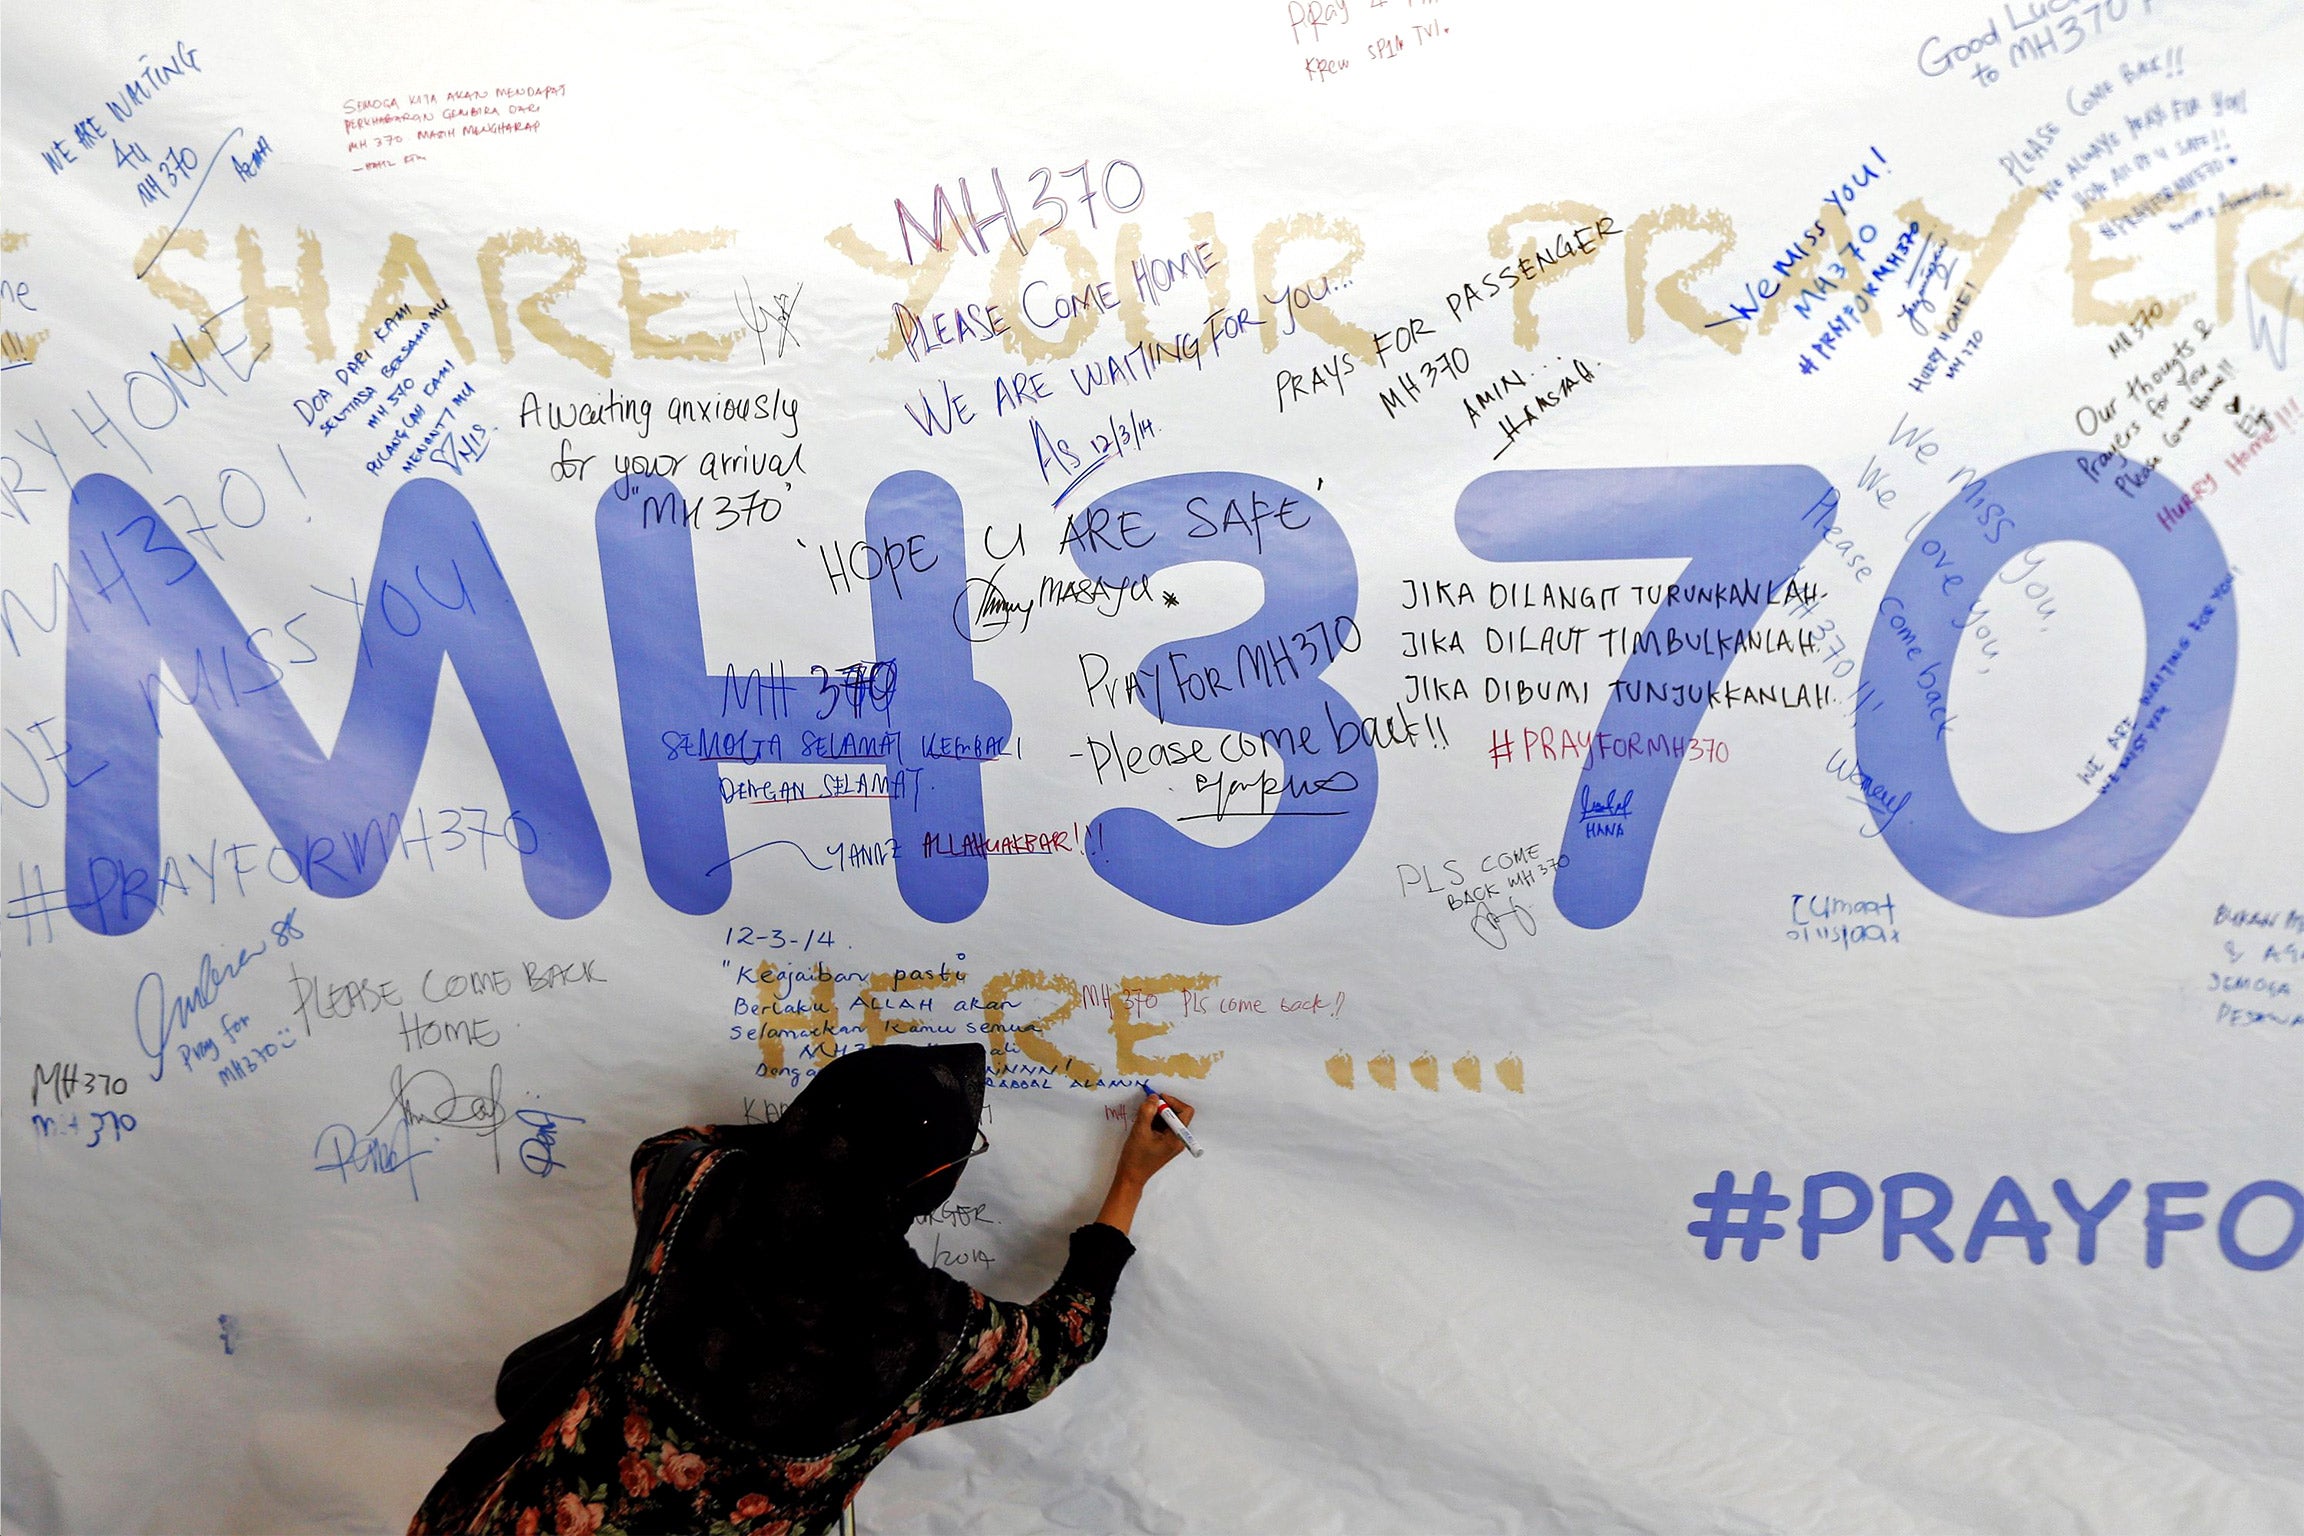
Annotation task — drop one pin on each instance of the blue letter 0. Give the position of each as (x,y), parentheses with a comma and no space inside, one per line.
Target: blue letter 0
(1261,678)
(2190,642)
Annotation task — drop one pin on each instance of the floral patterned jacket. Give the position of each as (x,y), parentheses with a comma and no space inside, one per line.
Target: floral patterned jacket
(627,1457)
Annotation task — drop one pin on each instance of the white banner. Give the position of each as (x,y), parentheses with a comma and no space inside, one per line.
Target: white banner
(1651,651)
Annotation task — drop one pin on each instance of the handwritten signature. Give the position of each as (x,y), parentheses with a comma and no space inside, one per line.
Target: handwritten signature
(431,1097)
(158,1015)
(2261,335)
(1488,926)
(1611,806)
(342,1151)
(759,319)
(536,1152)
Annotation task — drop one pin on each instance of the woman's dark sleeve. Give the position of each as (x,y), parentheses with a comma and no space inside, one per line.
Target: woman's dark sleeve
(1016,1353)
(661,1164)
(658,1154)
(553,1364)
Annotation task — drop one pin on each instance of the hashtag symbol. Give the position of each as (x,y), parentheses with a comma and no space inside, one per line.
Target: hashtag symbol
(1737,1216)
(1499,748)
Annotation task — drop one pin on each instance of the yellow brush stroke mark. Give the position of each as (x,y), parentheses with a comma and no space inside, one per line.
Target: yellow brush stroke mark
(1813,266)
(1029,1038)
(1425,1070)
(404,263)
(2089,269)
(13,239)
(1672,291)
(535,310)
(640,307)
(877,1025)
(1577,215)
(2263,272)
(922,278)
(1080,271)
(306,297)
(182,356)
(1128,1032)
(21,349)
(1128,248)
(822,1013)
(1983,251)
(1315,317)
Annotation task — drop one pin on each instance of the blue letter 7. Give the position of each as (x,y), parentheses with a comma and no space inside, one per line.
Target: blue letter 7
(1743,531)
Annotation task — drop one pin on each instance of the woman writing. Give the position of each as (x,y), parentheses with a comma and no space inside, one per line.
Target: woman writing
(776,1336)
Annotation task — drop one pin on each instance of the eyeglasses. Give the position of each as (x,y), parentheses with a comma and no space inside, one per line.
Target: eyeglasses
(982,1146)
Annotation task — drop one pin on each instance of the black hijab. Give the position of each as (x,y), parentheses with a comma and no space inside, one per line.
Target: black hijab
(791,1311)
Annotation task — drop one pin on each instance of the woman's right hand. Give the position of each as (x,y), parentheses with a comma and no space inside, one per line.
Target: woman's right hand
(1150,1145)
(1149,1148)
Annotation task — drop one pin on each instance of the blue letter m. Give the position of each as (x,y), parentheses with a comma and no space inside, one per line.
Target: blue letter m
(435,593)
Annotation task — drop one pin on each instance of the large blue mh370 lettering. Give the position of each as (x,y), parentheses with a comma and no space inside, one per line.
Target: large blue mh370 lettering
(434,594)
(147,612)
(940,723)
